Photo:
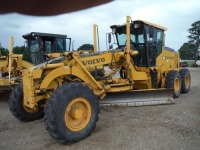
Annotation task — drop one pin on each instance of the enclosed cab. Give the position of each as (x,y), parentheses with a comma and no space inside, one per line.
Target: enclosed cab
(39,45)
(145,37)
(153,57)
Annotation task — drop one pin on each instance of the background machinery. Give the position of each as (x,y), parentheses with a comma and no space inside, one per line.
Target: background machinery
(67,93)
(39,47)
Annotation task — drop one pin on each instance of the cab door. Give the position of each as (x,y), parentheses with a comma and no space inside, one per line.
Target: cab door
(154,39)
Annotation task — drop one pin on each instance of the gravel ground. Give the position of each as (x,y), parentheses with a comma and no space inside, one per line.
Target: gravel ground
(171,127)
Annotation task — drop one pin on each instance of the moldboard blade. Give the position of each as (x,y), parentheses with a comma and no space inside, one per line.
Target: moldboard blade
(139,98)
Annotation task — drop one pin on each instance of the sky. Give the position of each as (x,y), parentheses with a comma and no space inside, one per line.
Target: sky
(176,15)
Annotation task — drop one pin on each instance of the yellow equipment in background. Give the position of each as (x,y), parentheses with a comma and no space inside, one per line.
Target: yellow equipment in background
(40,47)
(67,91)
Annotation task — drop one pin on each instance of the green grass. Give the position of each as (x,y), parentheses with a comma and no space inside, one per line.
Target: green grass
(189,63)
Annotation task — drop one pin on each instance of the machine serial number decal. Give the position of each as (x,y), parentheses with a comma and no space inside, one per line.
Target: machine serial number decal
(93,61)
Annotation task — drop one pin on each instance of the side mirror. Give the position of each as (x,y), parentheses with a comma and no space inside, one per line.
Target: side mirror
(151,31)
(109,38)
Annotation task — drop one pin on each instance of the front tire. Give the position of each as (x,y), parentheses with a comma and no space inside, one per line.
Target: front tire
(18,109)
(173,81)
(185,80)
(71,113)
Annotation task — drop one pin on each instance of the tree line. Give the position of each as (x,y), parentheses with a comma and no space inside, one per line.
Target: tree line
(191,50)
(16,50)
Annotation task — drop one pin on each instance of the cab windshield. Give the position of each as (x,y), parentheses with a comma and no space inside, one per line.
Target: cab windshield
(61,45)
(34,46)
(137,35)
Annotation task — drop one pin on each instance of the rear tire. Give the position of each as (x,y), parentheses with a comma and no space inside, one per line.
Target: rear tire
(18,109)
(185,80)
(71,113)
(173,81)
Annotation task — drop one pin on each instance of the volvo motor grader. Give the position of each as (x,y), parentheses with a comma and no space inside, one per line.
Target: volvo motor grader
(67,93)
(40,47)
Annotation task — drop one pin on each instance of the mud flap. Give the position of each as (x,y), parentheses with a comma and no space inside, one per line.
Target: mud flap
(139,98)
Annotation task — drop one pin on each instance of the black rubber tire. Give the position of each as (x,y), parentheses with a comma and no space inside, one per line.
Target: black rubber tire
(55,112)
(17,109)
(170,79)
(185,73)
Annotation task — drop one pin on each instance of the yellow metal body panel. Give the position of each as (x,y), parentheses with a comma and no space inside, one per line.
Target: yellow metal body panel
(3,64)
(58,72)
(26,64)
(78,67)
(39,83)
(5,82)
(29,91)
(95,37)
(165,62)
(55,55)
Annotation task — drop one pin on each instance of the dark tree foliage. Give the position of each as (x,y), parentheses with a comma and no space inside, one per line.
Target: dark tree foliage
(194,37)
(3,51)
(190,50)
(86,47)
(187,51)
(16,50)
(21,50)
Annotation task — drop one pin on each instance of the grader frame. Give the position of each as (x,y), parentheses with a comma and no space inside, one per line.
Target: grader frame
(77,65)
(68,91)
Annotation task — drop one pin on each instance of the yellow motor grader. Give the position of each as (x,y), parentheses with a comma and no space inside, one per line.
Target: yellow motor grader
(40,47)
(68,93)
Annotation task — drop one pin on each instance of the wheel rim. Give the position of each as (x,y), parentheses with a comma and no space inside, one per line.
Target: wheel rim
(176,85)
(77,114)
(187,81)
